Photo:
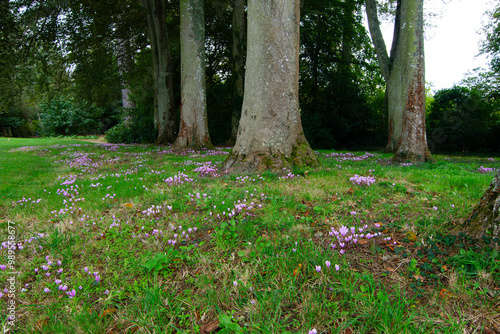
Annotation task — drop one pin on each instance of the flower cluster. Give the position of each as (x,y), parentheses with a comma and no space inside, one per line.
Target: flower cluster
(180,178)
(347,237)
(362,180)
(484,170)
(207,170)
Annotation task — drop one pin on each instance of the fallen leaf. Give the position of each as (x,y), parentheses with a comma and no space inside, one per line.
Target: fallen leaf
(362,241)
(209,327)
(40,324)
(411,236)
(129,205)
(108,312)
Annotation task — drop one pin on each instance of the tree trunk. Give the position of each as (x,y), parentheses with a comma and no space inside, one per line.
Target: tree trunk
(124,66)
(485,217)
(404,72)
(238,58)
(193,130)
(270,134)
(162,69)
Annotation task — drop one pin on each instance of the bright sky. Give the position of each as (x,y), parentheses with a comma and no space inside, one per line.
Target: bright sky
(452,41)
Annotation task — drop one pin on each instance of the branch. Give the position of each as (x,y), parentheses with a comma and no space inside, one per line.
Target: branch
(377,37)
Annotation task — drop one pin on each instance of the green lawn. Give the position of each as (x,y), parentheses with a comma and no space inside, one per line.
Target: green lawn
(136,239)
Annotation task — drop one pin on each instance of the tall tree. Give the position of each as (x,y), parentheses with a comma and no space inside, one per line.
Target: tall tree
(238,28)
(162,68)
(193,130)
(270,132)
(403,71)
(8,59)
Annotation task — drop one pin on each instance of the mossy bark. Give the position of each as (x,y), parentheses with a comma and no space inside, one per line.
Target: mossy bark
(403,71)
(270,134)
(485,217)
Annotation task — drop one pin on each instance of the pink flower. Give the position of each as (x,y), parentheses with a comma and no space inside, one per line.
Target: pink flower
(327,264)
(337,267)
(318,268)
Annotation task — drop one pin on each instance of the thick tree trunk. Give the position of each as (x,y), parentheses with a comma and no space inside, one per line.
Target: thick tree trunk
(238,59)
(193,130)
(404,72)
(485,217)
(270,134)
(162,69)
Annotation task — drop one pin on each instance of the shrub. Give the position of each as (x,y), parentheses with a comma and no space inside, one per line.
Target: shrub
(137,127)
(64,117)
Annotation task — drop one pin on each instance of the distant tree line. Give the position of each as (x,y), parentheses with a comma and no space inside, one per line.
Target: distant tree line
(115,67)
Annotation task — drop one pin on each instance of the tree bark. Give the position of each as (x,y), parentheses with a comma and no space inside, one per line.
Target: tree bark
(124,66)
(403,72)
(162,69)
(485,217)
(270,134)
(238,59)
(193,132)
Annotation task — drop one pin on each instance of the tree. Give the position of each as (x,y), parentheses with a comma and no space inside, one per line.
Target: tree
(193,130)
(403,71)
(238,28)
(8,58)
(339,76)
(460,119)
(162,68)
(270,132)
(485,217)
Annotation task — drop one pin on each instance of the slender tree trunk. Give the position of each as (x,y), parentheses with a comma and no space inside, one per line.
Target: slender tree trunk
(270,134)
(238,58)
(404,72)
(162,73)
(124,67)
(485,217)
(193,130)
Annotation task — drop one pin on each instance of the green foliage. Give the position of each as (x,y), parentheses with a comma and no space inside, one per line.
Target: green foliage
(137,127)
(65,117)
(461,119)
(340,78)
(229,325)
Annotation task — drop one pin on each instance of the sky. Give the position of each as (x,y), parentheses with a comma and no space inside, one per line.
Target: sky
(452,40)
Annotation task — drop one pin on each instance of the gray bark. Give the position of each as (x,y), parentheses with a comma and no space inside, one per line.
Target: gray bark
(162,68)
(270,132)
(238,58)
(485,217)
(403,71)
(193,130)
(124,66)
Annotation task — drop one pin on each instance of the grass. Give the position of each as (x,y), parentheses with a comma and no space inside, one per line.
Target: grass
(137,239)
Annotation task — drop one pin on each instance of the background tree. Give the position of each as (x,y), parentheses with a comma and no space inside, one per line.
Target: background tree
(9,91)
(162,68)
(461,119)
(238,29)
(270,132)
(193,130)
(403,71)
(340,81)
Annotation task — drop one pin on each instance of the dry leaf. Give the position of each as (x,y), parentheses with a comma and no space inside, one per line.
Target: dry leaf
(411,236)
(108,312)
(210,327)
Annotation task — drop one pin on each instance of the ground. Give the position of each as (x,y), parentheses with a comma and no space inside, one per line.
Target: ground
(139,239)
